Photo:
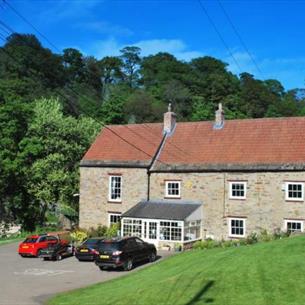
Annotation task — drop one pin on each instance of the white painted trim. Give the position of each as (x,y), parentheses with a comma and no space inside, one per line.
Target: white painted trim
(109,189)
(296,221)
(287,198)
(166,189)
(244,183)
(230,229)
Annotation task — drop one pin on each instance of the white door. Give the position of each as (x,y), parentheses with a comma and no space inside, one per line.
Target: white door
(150,231)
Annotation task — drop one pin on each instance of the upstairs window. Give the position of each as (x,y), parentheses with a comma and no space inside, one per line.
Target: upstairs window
(293,226)
(238,190)
(237,227)
(294,191)
(115,188)
(172,189)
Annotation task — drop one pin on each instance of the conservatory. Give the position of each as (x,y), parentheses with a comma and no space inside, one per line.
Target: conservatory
(163,222)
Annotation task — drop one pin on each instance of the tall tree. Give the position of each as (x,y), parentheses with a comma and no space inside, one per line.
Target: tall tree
(23,57)
(131,61)
(74,65)
(52,148)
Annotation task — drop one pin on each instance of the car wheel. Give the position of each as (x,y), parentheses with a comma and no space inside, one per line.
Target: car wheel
(128,265)
(39,253)
(101,268)
(58,257)
(152,257)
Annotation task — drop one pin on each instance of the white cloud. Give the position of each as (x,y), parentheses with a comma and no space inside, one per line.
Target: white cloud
(100,49)
(148,47)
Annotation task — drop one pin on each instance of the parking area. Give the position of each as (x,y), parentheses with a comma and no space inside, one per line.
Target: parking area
(30,281)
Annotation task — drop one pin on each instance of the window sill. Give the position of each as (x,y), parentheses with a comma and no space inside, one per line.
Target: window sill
(237,236)
(294,200)
(172,197)
(236,198)
(114,201)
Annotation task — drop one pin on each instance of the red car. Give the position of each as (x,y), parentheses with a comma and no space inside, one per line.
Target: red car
(33,244)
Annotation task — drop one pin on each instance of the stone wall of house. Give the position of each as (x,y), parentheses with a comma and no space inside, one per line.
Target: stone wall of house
(265,206)
(94,187)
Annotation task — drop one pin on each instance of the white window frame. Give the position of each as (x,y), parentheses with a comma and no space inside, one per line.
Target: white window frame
(230,228)
(146,221)
(244,183)
(287,198)
(296,221)
(109,187)
(167,195)
(112,214)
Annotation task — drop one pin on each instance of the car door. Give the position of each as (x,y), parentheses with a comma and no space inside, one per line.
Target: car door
(52,240)
(42,242)
(142,251)
(132,249)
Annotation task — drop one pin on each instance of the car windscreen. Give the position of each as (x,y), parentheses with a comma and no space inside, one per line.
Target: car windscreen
(30,240)
(91,242)
(109,246)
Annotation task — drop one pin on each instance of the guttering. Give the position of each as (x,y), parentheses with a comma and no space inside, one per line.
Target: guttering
(191,168)
(110,163)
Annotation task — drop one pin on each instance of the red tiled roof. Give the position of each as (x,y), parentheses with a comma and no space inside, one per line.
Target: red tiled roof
(141,141)
(251,141)
(239,142)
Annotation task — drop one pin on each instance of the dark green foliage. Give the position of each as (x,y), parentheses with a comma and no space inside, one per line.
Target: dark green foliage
(100,231)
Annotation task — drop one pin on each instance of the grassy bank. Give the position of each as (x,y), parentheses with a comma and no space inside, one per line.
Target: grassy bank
(8,241)
(263,274)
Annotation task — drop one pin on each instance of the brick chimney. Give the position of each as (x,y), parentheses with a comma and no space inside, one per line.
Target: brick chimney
(219,117)
(169,121)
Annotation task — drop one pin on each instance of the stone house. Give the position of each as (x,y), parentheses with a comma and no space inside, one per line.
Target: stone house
(178,182)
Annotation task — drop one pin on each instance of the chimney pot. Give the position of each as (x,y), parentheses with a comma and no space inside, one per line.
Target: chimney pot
(169,122)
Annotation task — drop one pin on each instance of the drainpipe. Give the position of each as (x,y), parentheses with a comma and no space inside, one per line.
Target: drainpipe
(148,185)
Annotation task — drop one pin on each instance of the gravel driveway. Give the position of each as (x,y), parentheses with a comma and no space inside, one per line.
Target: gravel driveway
(30,281)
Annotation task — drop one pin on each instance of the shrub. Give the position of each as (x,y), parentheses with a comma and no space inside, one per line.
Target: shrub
(265,236)
(113,230)
(278,234)
(252,238)
(79,236)
(226,243)
(100,231)
(206,244)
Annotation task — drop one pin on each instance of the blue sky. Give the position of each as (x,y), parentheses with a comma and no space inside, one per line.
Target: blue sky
(273,30)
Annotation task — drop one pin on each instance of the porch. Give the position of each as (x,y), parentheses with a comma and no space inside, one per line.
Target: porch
(164,223)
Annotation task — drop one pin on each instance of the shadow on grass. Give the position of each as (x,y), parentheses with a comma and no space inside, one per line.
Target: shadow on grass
(198,296)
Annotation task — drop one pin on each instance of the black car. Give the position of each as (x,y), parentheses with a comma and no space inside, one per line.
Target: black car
(124,252)
(88,249)
(57,251)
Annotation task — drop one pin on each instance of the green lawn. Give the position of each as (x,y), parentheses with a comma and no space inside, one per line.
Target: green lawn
(263,274)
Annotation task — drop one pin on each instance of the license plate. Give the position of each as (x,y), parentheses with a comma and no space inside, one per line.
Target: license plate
(104,256)
(84,250)
(25,247)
